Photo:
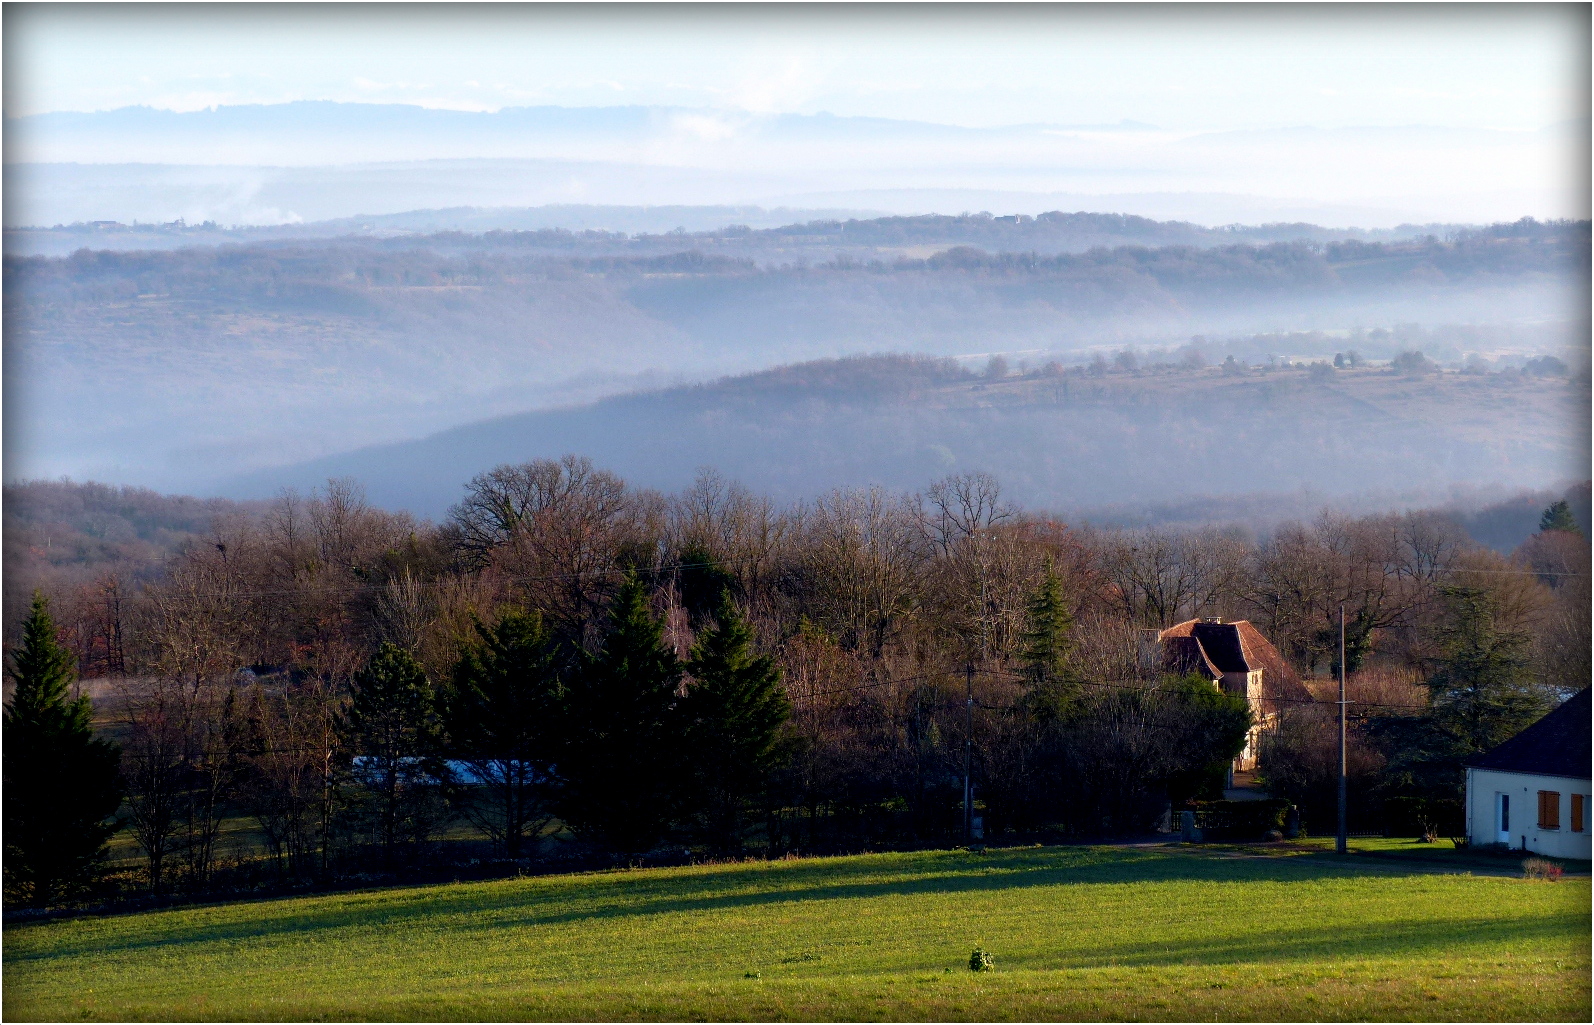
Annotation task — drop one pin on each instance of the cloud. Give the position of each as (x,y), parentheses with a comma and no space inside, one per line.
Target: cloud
(777,84)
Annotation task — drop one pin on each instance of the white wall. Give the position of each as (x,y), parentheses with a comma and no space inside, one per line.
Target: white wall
(1485,787)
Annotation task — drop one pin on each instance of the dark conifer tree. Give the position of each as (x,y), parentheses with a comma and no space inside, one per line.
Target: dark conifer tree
(1558,517)
(391,723)
(501,720)
(1046,643)
(737,708)
(62,785)
(702,580)
(622,760)
(1482,691)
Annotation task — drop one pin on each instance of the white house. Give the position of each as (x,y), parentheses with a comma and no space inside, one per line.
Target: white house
(1533,792)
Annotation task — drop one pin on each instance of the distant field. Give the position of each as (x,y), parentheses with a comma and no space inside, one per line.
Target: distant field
(1077,933)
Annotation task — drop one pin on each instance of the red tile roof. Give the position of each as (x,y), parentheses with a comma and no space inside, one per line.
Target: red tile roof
(1215,648)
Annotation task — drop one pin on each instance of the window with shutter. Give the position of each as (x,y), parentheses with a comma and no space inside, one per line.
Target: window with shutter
(1577,813)
(1549,809)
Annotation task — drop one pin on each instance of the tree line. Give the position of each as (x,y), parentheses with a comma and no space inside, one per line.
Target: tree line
(569,667)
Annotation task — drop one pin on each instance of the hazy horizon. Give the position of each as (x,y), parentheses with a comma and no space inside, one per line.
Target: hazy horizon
(1364,117)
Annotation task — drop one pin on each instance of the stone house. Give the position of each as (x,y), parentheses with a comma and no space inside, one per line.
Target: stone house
(1239,660)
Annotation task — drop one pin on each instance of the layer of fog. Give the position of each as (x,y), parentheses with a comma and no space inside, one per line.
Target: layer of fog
(178,370)
(275,164)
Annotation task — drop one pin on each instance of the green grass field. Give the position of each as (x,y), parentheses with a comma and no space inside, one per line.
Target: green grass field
(1077,933)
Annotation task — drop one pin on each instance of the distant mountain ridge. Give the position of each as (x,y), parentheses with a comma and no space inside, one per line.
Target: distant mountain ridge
(211,124)
(314,160)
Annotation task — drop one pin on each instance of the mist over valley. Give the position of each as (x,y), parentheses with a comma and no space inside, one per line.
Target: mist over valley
(185,369)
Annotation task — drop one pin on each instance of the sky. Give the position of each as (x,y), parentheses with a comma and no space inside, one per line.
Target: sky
(1350,115)
(1179,67)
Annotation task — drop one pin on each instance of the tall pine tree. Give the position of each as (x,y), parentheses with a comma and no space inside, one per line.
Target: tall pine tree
(501,718)
(62,785)
(391,724)
(737,707)
(1053,688)
(623,756)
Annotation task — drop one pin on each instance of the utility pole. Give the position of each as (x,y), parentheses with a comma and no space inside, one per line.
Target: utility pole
(968,763)
(1339,839)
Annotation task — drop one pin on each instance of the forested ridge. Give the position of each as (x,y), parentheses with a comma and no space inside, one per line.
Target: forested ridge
(1049,233)
(1147,428)
(491,258)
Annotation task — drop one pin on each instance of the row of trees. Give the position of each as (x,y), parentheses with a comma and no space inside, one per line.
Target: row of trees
(569,657)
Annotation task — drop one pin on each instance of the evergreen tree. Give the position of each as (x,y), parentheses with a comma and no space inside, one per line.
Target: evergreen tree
(500,716)
(391,724)
(61,784)
(1045,646)
(702,580)
(1558,517)
(737,708)
(1482,692)
(623,756)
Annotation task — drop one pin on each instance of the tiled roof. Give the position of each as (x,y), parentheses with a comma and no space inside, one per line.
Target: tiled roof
(1237,647)
(1280,683)
(1556,745)
(1221,642)
(1184,655)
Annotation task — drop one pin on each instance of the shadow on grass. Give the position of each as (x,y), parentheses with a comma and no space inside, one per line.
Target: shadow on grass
(553,901)
(1325,944)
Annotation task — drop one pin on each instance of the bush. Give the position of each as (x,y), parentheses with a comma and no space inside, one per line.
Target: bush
(1413,363)
(1541,868)
(981,960)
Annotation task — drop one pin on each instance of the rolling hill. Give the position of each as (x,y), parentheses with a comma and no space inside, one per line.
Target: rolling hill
(1062,441)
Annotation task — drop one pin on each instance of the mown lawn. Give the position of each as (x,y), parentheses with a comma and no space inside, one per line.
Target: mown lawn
(1092,933)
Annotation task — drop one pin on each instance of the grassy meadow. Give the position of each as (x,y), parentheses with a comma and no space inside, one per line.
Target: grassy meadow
(1132,933)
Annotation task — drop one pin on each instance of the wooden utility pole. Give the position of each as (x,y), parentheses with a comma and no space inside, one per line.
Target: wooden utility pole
(1339,839)
(968,763)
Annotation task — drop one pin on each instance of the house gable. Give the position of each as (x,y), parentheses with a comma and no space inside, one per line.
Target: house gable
(1556,745)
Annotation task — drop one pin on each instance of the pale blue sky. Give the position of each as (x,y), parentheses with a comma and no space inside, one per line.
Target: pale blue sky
(1184,68)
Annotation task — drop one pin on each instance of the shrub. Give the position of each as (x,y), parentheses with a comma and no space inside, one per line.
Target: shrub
(1412,363)
(1541,868)
(981,960)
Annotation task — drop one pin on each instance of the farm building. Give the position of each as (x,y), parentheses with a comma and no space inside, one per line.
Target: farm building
(1236,657)
(1533,791)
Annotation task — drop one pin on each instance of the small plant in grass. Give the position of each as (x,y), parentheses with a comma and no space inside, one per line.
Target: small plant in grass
(981,960)
(1541,868)
(1461,843)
